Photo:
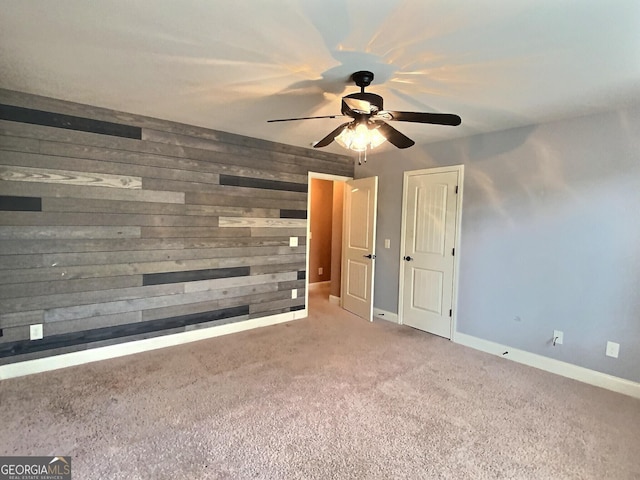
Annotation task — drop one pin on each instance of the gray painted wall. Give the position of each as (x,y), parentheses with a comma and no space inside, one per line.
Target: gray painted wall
(550,235)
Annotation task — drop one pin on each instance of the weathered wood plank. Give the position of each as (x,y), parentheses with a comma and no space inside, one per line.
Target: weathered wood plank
(50,232)
(122,207)
(10,203)
(238,281)
(16,333)
(43,302)
(14,319)
(66,143)
(275,305)
(177,310)
(260,222)
(70,122)
(116,270)
(76,191)
(122,164)
(278,232)
(20,144)
(70,108)
(275,268)
(33,289)
(249,201)
(15,173)
(21,261)
(218,141)
(143,256)
(251,163)
(217,190)
(188,159)
(26,247)
(255,299)
(104,219)
(108,308)
(292,284)
(90,323)
(202,232)
(238,193)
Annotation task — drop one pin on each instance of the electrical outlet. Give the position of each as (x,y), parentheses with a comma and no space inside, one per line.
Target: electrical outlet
(293,241)
(558,337)
(387,243)
(613,349)
(294,293)
(320,270)
(35,331)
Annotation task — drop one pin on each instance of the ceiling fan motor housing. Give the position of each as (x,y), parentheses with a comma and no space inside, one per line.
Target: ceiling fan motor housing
(372,98)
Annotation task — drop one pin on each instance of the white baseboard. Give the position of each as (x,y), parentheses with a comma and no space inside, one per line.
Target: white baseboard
(138,346)
(558,367)
(384,315)
(335,300)
(315,285)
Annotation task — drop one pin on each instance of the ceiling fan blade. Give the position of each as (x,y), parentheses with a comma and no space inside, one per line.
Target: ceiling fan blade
(300,118)
(395,137)
(417,117)
(356,105)
(329,138)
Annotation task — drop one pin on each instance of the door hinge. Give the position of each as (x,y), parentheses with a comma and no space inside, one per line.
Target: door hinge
(456,188)
(451,313)
(453,252)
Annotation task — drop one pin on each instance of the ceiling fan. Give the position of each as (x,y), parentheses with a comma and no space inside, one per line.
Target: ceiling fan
(368,127)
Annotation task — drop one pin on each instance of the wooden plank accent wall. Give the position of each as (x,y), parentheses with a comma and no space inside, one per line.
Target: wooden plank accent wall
(116,227)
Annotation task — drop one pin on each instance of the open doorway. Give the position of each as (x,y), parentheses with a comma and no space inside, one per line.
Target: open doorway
(324,235)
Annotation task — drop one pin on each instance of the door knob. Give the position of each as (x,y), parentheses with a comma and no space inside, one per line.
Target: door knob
(407,258)
(369,256)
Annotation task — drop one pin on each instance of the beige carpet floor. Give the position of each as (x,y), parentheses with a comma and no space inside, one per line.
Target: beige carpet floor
(328,397)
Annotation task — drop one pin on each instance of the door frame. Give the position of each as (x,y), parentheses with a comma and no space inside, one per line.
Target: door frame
(459,169)
(317,176)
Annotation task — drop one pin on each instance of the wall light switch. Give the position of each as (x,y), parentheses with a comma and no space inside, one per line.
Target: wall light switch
(293,241)
(294,293)
(35,332)
(387,243)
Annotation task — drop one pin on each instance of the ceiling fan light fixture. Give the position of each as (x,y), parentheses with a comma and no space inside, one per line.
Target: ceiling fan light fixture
(360,137)
(369,128)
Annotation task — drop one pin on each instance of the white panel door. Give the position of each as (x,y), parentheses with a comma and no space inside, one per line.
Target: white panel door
(358,261)
(427,267)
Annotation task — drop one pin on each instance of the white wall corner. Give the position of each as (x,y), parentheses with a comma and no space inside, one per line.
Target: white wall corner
(569,370)
(384,315)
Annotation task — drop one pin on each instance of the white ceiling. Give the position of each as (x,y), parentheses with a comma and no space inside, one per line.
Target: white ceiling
(231,65)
